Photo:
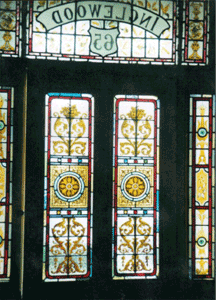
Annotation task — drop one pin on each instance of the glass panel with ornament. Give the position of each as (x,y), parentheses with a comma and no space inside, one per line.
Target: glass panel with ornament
(10,28)
(6,159)
(102,31)
(202,187)
(136,187)
(195,34)
(69,151)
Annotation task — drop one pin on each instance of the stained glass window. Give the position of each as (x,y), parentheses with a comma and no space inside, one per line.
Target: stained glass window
(136,187)
(202,187)
(103,31)
(69,151)
(6,158)
(195,35)
(10,28)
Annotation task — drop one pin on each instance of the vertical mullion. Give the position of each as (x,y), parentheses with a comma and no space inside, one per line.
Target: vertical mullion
(23,176)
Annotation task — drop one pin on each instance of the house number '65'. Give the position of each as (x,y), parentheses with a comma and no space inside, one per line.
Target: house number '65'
(107,45)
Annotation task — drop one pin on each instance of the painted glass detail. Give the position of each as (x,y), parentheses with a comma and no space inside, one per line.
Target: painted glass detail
(68,196)
(202,187)
(10,28)
(195,35)
(136,187)
(102,31)
(6,159)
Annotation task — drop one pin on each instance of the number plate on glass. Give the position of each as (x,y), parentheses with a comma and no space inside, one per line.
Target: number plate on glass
(103,41)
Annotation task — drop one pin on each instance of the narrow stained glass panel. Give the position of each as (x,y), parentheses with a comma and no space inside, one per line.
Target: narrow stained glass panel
(102,31)
(202,187)
(6,157)
(195,35)
(10,28)
(68,178)
(136,187)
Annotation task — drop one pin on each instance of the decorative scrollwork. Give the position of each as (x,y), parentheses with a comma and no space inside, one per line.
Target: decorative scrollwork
(58,231)
(144,229)
(135,245)
(77,230)
(69,130)
(68,265)
(67,246)
(130,265)
(136,124)
(126,229)
(135,264)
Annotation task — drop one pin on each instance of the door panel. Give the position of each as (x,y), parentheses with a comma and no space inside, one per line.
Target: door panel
(103,83)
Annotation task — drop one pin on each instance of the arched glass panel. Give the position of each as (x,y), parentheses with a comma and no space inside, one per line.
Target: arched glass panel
(102,31)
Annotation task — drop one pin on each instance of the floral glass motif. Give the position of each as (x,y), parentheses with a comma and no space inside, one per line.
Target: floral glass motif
(10,28)
(136,187)
(195,35)
(202,187)
(68,196)
(6,159)
(101,31)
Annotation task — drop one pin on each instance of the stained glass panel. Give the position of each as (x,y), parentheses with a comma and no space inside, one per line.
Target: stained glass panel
(103,32)
(195,35)
(69,151)
(202,187)
(6,158)
(10,28)
(136,187)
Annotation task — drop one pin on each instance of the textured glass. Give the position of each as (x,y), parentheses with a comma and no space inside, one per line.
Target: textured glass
(68,187)
(136,187)
(10,28)
(102,31)
(6,157)
(201,174)
(195,43)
